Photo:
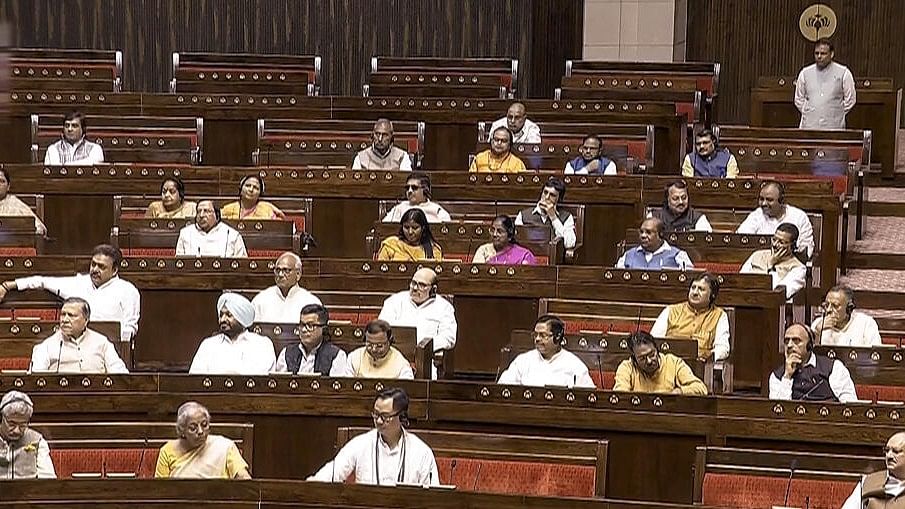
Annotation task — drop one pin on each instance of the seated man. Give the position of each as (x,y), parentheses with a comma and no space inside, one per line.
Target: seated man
(315,354)
(779,261)
(73,148)
(382,154)
(648,370)
(209,236)
(236,350)
(75,348)
(885,487)
(653,253)
(774,211)
(697,318)
(548,363)
(418,195)
(499,157)
(807,376)
(677,214)
(546,212)
(197,454)
(283,302)
(24,451)
(708,161)
(590,160)
(388,454)
(841,324)
(378,358)
(421,307)
(516,120)
(112,299)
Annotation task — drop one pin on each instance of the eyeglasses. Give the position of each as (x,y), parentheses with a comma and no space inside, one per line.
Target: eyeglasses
(14,425)
(196,427)
(376,346)
(413,187)
(310,325)
(377,416)
(543,335)
(418,285)
(283,270)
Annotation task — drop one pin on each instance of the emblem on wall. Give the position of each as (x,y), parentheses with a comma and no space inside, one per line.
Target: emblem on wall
(817,21)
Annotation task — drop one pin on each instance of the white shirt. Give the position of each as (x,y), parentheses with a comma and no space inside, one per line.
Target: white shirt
(44,462)
(272,307)
(793,281)
(757,223)
(564,369)
(682,258)
(720,338)
(221,241)
(306,366)
(530,132)
(58,155)
(840,383)
(404,165)
(702,224)
(434,318)
(566,229)
(433,211)
(861,330)
(569,170)
(248,354)
(117,300)
(824,96)
(893,487)
(411,455)
(91,352)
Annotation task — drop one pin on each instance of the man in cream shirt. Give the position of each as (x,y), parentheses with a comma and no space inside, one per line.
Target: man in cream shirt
(282,302)
(75,348)
(209,236)
(548,363)
(842,324)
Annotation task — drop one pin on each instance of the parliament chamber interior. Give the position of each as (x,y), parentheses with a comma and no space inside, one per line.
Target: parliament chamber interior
(623,254)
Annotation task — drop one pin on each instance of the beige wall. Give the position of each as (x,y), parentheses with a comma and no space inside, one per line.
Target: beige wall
(644,30)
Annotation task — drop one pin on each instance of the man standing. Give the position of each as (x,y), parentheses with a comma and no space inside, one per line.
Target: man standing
(779,261)
(418,195)
(382,154)
(24,451)
(773,211)
(378,358)
(842,325)
(883,488)
(315,354)
(653,253)
(209,236)
(548,363)
(807,376)
(75,348)
(110,298)
(707,161)
(73,148)
(235,350)
(516,120)
(648,370)
(283,302)
(388,454)
(824,90)
(546,212)
(676,212)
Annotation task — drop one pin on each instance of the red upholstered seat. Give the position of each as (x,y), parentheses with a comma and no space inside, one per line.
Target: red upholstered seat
(353,317)
(519,477)
(264,253)
(880,392)
(30,314)
(719,268)
(299,222)
(14,362)
(150,251)
(727,490)
(573,326)
(67,461)
(18,251)
(608,381)
(891,340)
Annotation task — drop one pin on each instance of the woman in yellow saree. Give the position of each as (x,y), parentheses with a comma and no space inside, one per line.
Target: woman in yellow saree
(197,454)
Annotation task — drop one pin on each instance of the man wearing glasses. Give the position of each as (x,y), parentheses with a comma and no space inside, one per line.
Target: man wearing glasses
(548,363)
(283,302)
(418,194)
(379,358)
(590,160)
(24,453)
(421,307)
(382,154)
(235,350)
(315,353)
(707,160)
(388,454)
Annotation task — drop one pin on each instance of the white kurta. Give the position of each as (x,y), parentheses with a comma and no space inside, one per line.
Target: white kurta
(824,96)
(221,241)
(44,463)
(530,132)
(272,307)
(367,455)
(248,354)
(83,153)
(564,229)
(861,330)
(434,318)
(563,369)
(117,300)
(758,223)
(840,383)
(793,279)
(91,352)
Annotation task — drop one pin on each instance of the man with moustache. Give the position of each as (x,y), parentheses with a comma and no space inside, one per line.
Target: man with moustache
(314,354)
(418,195)
(547,213)
(516,120)
(382,154)
(73,148)
(283,302)
(235,350)
(708,161)
(209,236)
(109,297)
(807,376)
(75,348)
(378,358)
(653,253)
(824,90)
(698,318)
(772,211)
(883,488)
(24,454)
(676,212)
(779,262)
(648,370)
(548,363)
(842,324)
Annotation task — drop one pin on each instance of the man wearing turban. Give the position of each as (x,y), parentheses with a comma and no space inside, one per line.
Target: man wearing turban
(235,350)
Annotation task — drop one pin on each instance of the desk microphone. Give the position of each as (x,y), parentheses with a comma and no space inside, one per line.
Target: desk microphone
(474,485)
(141,457)
(600,368)
(60,354)
(818,384)
(452,472)
(792,467)
(333,471)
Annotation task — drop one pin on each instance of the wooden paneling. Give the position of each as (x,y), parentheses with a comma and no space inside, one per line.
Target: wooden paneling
(346,33)
(754,38)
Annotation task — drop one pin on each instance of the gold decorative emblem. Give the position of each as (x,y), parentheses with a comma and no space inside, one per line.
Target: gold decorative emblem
(817,21)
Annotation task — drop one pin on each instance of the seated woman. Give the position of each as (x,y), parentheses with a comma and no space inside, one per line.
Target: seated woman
(250,205)
(12,206)
(505,249)
(172,204)
(414,241)
(197,454)
(698,318)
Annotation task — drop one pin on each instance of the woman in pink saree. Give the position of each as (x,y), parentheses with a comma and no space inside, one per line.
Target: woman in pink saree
(504,248)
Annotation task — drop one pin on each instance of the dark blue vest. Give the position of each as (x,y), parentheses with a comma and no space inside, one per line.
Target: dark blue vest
(634,259)
(323,359)
(811,383)
(579,163)
(713,166)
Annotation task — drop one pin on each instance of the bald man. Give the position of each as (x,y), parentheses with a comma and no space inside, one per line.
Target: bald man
(516,120)
(282,302)
(883,488)
(422,307)
(653,253)
(382,154)
(807,376)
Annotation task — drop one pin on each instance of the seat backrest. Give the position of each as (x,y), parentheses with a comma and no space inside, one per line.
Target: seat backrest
(246,73)
(706,73)
(66,70)
(506,69)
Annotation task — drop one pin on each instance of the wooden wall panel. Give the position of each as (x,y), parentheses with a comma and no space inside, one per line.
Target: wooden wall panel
(754,38)
(346,33)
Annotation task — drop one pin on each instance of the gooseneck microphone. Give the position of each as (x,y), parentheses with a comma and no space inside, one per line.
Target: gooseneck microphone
(474,485)
(792,468)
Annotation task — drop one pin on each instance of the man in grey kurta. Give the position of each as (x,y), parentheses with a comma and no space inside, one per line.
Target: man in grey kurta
(824,91)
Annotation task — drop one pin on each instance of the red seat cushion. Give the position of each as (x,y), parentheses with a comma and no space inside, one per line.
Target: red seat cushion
(14,363)
(356,318)
(719,268)
(744,491)
(880,392)
(574,326)
(51,315)
(67,461)
(150,252)
(607,382)
(18,251)
(519,477)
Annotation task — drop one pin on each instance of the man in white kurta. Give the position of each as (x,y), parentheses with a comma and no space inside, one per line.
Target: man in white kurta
(824,91)
(516,120)
(388,454)
(209,236)
(282,302)
(432,315)
(75,348)
(779,262)
(842,324)
(74,148)
(236,350)
(772,211)
(548,363)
